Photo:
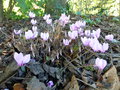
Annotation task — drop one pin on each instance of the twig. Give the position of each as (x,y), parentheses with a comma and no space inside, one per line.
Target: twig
(3,82)
(20,78)
(5,34)
(86,83)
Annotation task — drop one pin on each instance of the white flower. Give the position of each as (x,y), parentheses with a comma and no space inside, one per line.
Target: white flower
(47,16)
(100,63)
(73,34)
(44,36)
(20,59)
(66,42)
(17,32)
(49,21)
(31,14)
(33,22)
(109,37)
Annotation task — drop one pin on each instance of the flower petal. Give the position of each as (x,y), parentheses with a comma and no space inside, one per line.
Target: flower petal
(18,57)
(26,58)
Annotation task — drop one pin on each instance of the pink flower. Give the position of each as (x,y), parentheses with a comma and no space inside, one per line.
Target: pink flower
(35,34)
(73,34)
(30,35)
(20,59)
(66,42)
(17,32)
(96,47)
(34,28)
(73,27)
(85,41)
(77,25)
(95,44)
(63,20)
(50,83)
(80,31)
(31,14)
(109,37)
(105,47)
(44,36)
(33,22)
(100,63)
(49,21)
(47,16)
(96,34)
(80,24)
(87,33)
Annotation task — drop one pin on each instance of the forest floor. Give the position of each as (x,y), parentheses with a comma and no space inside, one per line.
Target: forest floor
(36,77)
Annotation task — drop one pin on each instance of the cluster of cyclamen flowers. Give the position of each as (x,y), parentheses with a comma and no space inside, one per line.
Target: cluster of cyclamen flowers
(91,40)
(47,19)
(31,34)
(88,38)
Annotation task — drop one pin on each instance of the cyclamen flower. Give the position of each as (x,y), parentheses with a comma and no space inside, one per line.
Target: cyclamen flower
(96,34)
(73,27)
(49,21)
(100,63)
(95,44)
(109,37)
(77,25)
(50,83)
(30,35)
(63,20)
(33,22)
(34,28)
(17,32)
(31,14)
(20,59)
(35,34)
(80,24)
(66,42)
(105,47)
(73,34)
(85,41)
(87,33)
(44,36)
(80,31)
(46,16)
(96,47)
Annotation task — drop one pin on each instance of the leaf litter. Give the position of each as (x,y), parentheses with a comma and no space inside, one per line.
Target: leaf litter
(70,74)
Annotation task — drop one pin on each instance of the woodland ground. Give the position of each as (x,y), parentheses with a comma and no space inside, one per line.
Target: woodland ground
(11,76)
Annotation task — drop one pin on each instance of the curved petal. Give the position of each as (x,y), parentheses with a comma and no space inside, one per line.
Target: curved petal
(26,58)
(18,57)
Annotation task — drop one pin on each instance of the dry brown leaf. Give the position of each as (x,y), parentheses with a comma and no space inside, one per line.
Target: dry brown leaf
(72,85)
(18,86)
(111,77)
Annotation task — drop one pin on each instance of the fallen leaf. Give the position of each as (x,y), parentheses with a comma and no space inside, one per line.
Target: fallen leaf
(111,80)
(34,84)
(18,86)
(36,68)
(9,70)
(52,71)
(72,85)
